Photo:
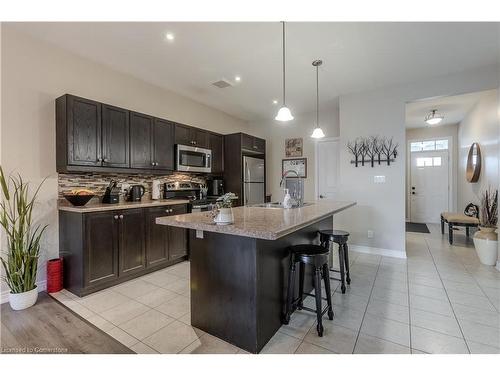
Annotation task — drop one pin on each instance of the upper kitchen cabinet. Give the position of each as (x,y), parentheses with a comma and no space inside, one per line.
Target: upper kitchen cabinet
(141,137)
(217,147)
(253,144)
(163,144)
(115,137)
(78,128)
(189,136)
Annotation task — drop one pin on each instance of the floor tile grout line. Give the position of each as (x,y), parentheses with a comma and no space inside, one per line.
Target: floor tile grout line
(486,295)
(366,309)
(451,305)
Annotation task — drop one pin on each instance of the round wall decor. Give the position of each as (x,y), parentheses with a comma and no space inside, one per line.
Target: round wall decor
(473,163)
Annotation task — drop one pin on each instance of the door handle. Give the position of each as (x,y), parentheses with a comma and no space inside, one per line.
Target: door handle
(321,196)
(413,193)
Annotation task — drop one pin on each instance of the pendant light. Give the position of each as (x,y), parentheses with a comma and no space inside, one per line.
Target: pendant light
(317,132)
(284,113)
(433,118)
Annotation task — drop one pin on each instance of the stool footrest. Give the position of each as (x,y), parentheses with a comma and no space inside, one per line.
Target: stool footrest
(313,311)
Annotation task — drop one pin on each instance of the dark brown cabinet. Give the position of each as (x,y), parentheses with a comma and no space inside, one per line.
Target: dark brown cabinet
(156,237)
(115,137)
(101,249)
(253,144)
(163,144)
(141,134)
(132,241)
(80,120)
(164,244)
(189,136)
(236,146)
(217,147)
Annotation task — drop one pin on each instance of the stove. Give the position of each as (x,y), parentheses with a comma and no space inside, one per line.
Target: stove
(191,191)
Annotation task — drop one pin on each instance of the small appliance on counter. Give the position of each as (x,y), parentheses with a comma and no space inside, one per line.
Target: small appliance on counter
(135,193)
(156,189)
(215,187)
(112,193)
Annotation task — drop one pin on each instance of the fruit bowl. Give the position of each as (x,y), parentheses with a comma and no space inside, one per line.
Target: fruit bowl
(79,198)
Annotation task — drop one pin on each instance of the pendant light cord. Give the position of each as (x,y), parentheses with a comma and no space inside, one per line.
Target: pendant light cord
(317,95)
(284,101)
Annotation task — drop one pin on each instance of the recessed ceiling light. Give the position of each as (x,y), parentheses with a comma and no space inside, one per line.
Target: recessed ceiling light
(275,101)
(237,78)
(169,36)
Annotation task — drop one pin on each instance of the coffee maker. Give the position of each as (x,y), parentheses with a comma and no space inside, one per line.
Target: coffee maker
(215,187)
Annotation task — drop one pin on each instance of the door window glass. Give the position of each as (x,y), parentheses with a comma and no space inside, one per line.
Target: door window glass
(440,144)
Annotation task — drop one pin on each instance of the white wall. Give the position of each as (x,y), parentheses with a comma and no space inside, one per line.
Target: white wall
(302,126)
(429,133)
(34,74)
(381,207)
(481,126)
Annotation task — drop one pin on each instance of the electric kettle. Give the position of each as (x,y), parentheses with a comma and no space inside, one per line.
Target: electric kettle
(135,193)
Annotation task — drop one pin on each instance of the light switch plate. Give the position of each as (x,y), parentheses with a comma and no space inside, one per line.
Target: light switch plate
(199,233)
(379,179)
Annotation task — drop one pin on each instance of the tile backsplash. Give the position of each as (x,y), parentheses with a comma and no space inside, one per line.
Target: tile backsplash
(97,182)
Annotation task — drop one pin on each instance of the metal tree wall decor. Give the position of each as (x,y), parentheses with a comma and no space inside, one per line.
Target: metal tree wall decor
(373,150)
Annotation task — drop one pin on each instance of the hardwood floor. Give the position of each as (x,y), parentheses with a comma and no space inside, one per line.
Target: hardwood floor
(49,327)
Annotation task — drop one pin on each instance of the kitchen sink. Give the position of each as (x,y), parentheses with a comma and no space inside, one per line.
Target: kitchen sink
(277,205)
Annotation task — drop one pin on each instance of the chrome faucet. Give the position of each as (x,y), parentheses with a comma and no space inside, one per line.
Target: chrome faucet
(298,196)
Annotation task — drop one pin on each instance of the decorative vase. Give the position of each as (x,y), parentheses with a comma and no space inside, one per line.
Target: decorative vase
(486,244)
(224,216)
(21,301)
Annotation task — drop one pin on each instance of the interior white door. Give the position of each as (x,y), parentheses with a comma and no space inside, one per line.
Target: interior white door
(328,168)
(429,188)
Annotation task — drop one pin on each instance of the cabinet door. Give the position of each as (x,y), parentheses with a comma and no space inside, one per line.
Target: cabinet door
(156,237)
(132,241)
(163,145)
(217,147)
(101,248)
(201,138)
(115,137)
(183,135)
(177,237)
(247,142)
(84,132)
(141,135)
(259,144)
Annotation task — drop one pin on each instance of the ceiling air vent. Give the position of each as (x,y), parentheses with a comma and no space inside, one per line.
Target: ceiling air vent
(222,84)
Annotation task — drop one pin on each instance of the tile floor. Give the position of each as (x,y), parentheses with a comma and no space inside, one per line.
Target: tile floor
(438,300)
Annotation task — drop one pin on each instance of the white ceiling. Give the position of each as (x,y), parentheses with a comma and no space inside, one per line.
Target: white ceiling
(357,57)
(454,108)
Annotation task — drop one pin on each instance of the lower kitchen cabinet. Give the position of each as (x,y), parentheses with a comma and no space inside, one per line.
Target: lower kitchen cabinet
(164,244)
(101,249)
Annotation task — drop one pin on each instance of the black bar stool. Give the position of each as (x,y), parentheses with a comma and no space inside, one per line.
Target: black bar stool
(339,237)
(317,257)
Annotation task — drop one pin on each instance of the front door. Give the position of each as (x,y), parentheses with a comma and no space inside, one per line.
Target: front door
(428,186)
(328,168)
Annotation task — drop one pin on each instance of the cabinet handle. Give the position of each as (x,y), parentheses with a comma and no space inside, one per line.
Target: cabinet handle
(121,216)
(115,217)
(255,147)
(99,159)
(105,160)
(152,164)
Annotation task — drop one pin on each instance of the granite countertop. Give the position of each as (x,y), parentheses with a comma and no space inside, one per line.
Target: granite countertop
(98,206)
(260,222)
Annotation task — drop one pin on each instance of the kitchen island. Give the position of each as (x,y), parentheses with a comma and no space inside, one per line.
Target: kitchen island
(239,271)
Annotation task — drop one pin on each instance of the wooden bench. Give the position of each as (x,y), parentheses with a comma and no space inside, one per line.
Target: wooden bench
(468,219)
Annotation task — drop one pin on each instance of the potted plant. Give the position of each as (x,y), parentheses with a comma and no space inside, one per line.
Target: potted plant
(223,214)
(486,240)
(23,240)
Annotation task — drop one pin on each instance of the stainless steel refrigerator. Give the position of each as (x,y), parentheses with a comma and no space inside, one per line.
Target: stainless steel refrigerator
(254,190)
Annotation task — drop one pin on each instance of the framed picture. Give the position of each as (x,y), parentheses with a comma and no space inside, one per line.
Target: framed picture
(293,147)
(297,165)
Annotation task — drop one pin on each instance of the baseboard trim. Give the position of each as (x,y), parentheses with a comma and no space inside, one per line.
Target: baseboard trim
(42,286)
(378,251)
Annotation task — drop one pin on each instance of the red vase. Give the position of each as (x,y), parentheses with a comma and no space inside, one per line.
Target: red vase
(54,275)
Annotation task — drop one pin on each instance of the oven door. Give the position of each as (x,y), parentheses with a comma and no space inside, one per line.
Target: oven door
(193,159)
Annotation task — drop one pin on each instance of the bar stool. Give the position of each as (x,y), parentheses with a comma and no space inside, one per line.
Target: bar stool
(317,257)
(339,237)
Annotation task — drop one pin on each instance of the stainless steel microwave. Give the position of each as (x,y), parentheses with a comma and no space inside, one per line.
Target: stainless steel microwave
(193,159)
